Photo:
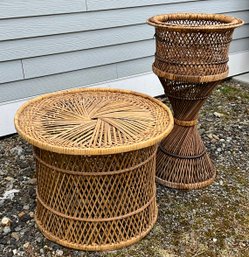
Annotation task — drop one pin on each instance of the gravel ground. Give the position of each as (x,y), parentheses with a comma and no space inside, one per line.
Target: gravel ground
(210,222)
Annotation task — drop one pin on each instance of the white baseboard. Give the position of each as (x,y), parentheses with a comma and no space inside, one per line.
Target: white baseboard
(7,113)
(146,83)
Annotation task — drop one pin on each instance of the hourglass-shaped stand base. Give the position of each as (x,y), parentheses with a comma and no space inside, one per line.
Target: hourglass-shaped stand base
(182,160)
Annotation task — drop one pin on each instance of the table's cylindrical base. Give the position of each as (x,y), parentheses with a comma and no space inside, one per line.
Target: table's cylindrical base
(106,247)
(96,203)
(182,160)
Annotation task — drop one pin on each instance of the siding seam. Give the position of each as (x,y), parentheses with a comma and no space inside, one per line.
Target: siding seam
(86,5)
(23,73)
(116,67)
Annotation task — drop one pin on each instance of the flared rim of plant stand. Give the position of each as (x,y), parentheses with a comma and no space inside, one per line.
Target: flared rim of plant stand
(208,22)
(93,121)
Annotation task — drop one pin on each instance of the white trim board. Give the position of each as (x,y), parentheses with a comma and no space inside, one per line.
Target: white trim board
(146,83)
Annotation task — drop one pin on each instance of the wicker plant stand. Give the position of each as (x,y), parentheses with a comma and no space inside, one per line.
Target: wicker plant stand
(95,152)
(191,59)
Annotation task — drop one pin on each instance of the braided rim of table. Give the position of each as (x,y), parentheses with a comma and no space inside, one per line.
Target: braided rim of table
(96,176)
(138,126)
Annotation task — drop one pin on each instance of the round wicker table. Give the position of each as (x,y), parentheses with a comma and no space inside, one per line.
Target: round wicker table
(95,153)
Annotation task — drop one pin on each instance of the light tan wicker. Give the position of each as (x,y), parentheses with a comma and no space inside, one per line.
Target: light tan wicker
(95,153)
(193,47)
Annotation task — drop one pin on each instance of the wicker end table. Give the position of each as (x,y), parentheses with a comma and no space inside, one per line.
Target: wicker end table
(95,153)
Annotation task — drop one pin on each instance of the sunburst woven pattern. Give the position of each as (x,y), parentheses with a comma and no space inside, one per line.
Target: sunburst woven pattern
(95,152)
(191,47)
(90,121)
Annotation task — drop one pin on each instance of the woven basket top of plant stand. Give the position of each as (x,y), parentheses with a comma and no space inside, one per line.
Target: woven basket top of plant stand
(93,121)
(193,47)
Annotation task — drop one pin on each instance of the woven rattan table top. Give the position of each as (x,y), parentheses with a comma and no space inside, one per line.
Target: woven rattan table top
(93,121)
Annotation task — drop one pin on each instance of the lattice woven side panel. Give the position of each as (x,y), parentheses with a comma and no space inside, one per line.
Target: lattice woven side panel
(187,98)
(193,47)
(96,202)
(192,53)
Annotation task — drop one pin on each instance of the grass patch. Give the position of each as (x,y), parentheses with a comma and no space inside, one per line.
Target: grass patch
(233,92)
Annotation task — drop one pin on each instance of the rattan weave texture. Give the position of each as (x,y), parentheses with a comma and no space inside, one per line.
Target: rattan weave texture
(182,160)
(93,121)
(101,203)
(193,47)
(190,60)
(96,174)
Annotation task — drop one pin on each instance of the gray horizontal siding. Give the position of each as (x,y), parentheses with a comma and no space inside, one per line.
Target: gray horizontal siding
(47,65)
(133,67)
(58,24)
(26,48)
(241,32)
(239,45)
(10,71)
(24,8)
(244,15)
(30,87)
(52,45)
(94,5)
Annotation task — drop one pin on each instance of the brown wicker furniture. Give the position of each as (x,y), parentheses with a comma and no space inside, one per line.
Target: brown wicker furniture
(95,152)
(191,59)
